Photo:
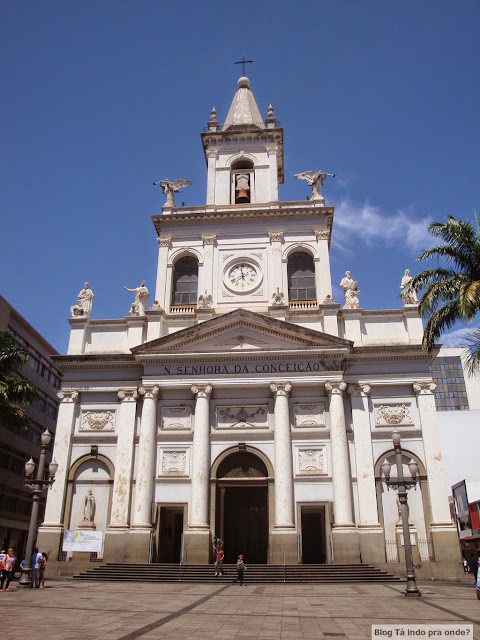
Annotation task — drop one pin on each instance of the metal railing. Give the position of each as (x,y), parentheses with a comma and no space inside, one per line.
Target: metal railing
(426,550)
(391,550)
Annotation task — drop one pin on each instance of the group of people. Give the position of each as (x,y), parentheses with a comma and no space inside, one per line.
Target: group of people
(219,555)
(8,564)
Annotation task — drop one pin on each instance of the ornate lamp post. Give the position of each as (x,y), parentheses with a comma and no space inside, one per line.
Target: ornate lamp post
(37,485)
(401,485)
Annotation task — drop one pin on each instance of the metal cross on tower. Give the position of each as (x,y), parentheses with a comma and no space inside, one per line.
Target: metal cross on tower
(243,62)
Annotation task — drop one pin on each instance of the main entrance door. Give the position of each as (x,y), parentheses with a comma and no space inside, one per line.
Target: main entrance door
(313,534)
(242,507)
(170,534)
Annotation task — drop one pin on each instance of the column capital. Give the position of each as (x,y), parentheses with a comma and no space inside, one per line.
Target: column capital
(212,154)
(272,150)
(275,236)
(424,388)
(149,392)
(359,390)
(322,234)
(335,387)
(209,239)
(164,241)
(67,396)
(128,395)
(280,389)
(202,390)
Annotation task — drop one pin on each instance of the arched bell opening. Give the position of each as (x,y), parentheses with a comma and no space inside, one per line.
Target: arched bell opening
(243,493)
(242,174)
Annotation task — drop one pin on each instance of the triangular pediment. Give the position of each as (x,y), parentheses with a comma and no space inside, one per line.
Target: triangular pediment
(242,330)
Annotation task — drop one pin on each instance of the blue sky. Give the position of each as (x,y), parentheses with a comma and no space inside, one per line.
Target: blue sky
(100,99)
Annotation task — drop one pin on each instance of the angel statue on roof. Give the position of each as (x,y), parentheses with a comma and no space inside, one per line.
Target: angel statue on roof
(169,188)
(315,180)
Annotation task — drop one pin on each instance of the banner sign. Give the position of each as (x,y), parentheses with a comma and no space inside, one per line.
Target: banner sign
(82,540)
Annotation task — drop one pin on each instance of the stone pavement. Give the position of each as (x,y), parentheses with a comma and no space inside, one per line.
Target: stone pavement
(79,610)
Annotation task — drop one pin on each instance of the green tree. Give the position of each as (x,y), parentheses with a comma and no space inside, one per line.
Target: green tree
(451,292)
(14,389)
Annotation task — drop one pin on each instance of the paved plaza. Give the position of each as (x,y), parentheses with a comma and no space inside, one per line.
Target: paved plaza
(78,610)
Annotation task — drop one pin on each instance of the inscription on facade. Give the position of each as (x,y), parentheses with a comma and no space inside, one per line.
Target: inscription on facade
(311,461)
(309,415)
(176,418)
(234,369)
(174,463)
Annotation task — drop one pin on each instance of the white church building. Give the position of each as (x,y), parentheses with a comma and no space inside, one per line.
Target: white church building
(245,402)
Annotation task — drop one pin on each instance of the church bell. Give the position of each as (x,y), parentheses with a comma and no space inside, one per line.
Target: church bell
(242,196)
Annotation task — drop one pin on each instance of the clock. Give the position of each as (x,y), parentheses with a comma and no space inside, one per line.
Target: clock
(242,276)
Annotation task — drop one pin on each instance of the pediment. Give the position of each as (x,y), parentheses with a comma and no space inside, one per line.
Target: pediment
(242,330)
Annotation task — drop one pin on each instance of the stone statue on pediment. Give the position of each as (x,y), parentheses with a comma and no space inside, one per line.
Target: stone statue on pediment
(83,306)
(350,290)
(140,304)
(314,180)
(278,298)
(409,296)
(205,301)
(170,188)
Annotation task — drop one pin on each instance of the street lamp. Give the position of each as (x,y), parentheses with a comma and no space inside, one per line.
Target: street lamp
(37,485)
(401,485)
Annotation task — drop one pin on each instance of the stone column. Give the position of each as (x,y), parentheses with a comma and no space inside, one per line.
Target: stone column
(284,536)
(161,288)
(444,534)
(116,542)
(50,532)
(323,278)
(371,536)
(345,536)
(145,471)
(207,270)
(197,537)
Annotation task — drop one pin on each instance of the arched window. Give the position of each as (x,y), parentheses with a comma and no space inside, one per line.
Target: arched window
(185,281)
(242,181)
(301,277)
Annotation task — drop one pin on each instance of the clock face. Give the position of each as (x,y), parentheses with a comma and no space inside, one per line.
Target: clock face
(242,277)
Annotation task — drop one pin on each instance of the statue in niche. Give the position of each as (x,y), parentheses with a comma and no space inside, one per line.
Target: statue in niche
(205,301)
(170,188)
(410,296)
(315,180)
(140,304)
(83,306)
(278,298)
(89,506)
(350,290)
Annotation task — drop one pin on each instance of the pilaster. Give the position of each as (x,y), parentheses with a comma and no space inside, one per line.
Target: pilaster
(371,536)
(76,344)
(353,329)
(323,278)
(276,239)
(207,269)
(212,166)
(135,330)
(414,323)
(161,288)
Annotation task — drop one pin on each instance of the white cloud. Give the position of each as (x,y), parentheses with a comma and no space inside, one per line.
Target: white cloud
(371,225)
(455,339)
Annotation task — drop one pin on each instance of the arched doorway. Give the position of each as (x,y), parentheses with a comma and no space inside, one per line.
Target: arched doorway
(242,506)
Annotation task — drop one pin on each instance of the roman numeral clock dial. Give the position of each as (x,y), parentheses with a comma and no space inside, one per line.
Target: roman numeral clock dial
(242,277)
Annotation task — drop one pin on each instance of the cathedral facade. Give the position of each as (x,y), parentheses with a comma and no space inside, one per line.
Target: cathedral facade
(245,402)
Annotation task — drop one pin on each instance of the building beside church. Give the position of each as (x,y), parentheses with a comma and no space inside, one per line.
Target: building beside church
(18,446)
(245,402)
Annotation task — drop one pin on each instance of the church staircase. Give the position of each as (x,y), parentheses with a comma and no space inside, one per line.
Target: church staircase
(256,573)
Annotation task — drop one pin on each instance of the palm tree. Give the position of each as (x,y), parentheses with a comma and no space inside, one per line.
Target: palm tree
(451,293)
(14,389)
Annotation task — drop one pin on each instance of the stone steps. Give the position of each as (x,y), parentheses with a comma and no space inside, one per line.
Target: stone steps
(255,573)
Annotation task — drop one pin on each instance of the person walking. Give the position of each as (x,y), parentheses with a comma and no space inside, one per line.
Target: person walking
(8,569)
(219,562)
(240,569)
(41,571)
(473,564)
(35,564)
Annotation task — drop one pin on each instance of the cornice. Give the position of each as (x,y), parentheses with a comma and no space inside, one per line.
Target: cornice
(228,214)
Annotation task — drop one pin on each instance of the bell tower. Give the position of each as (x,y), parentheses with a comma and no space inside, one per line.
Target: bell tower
(244,156)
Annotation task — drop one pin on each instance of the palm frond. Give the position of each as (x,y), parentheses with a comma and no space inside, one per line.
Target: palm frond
(12,415)
(472,352)
(438,322)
